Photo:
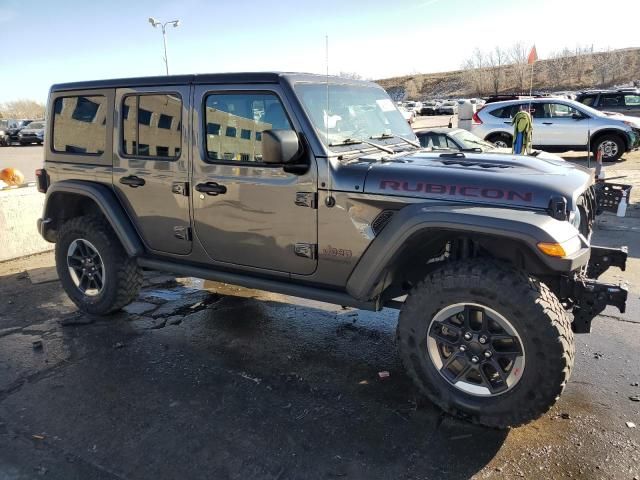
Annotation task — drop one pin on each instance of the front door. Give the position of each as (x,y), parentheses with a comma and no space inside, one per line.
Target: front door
(150,167)
(247,213)
(558,125)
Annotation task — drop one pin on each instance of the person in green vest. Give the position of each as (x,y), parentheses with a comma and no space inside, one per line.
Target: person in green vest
(522,132)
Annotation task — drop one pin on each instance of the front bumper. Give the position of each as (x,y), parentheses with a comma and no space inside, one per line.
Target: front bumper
(29,138)
(588,296)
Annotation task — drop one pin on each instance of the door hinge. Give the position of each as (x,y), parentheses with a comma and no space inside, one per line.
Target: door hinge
(181,232)
(307,199)
(180,188)
(306,250)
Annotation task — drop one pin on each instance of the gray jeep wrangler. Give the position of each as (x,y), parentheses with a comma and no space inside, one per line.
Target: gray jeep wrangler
(316,187)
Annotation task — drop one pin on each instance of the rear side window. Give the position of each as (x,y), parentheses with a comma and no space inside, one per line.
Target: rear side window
(612,100)
(151,127)
(505,112)
(79,124)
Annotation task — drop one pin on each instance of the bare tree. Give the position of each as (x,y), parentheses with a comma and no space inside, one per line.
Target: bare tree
(496,60)
(476,74)
(23,109)
(518,55)
(411,90)
(602,66)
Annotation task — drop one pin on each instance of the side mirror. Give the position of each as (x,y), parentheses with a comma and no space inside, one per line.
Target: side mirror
(280,147)
(577,116)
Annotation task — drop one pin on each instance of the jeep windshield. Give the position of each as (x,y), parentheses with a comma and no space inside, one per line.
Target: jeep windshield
(342,113)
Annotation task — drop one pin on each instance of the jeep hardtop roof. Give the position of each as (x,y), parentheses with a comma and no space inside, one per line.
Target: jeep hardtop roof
(204,78)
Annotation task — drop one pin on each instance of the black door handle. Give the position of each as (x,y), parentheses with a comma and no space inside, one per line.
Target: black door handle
(132,181)
(211,188)
(508,123)
(547,123)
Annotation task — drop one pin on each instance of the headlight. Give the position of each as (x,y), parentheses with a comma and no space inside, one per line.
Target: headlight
(575,218)
(1,132)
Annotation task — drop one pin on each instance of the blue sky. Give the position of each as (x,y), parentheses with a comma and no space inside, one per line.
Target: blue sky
(54,41)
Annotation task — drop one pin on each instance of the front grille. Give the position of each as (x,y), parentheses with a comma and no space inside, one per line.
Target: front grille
(381,221)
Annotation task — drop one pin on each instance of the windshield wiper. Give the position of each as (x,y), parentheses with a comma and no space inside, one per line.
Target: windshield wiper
(382,136)
(356,141)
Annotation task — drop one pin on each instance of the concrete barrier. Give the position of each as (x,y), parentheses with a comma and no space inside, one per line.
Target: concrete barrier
(19,210)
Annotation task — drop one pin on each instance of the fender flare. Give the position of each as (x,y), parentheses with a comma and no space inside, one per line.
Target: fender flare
(106,200)
(367,280)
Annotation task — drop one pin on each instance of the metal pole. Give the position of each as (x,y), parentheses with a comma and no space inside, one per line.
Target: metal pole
(164,42)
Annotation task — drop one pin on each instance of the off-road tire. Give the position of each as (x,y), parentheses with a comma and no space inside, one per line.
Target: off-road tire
(609,138)
(501,137)
(123,277)
(529,305)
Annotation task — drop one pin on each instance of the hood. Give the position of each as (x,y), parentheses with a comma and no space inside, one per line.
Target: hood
(31,130)
(481,178)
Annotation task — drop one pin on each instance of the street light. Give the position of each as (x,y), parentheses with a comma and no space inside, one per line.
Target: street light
(154,23)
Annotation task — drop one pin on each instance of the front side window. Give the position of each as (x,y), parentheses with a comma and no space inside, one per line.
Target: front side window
(588,100)
(79,124)
(632,100)
(234,123)
(146,130)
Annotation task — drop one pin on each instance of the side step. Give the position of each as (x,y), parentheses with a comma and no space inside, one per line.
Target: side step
(259,283)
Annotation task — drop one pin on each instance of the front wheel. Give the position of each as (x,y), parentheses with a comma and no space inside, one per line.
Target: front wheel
(486,342)
(95,271)
(612,147)
(501,140)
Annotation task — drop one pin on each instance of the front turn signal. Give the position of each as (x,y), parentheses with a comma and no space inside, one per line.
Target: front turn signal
(563,249)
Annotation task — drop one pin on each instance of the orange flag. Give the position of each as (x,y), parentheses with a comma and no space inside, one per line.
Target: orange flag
(533,56)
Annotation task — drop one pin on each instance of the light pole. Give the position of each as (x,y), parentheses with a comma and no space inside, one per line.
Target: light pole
(154,23)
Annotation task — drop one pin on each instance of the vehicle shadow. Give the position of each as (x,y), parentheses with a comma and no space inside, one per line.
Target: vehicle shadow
(251,385)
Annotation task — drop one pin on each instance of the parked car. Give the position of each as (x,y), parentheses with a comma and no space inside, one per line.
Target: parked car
(450,107)
(486,255)
(409,115)
(413,106)
(32,133)
(430,107)
(560,125)
(458,139)
(10,128)
(624,101)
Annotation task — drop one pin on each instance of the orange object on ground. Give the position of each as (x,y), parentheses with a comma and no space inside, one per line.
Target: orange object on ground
(11,176)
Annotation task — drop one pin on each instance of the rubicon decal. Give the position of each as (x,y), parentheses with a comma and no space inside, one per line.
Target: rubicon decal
(439,189)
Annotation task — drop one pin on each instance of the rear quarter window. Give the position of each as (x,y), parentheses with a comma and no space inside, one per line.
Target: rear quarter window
(79,124)
(505,112)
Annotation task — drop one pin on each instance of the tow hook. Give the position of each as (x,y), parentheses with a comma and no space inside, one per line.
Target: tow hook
(591,297)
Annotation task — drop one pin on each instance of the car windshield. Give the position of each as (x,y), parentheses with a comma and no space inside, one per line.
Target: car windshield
(35,125)
(342,112)
(469,140)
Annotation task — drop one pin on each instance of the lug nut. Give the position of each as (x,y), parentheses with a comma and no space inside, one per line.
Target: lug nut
(483,339)
(468,336)
(463,348)
(474,359)
(487,353)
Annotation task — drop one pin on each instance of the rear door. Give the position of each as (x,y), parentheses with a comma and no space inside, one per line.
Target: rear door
(248,213)
(150,166)
(612,102)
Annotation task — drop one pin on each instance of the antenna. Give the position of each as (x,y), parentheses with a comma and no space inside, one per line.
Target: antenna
(330,201)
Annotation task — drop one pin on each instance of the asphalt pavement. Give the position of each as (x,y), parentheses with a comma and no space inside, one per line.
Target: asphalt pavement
(27,159)
(205,380)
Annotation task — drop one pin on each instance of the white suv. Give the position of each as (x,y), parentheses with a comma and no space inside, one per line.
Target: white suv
(560,125)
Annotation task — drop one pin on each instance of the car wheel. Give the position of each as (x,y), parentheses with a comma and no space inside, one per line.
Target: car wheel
(39,143)
(486,342)
(94,270)
(612,147)
(501,140)
(24,143)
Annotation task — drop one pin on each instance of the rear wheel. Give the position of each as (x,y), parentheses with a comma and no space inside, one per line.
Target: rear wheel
(612,147)
(486,342)
(94,269)
(501,140)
